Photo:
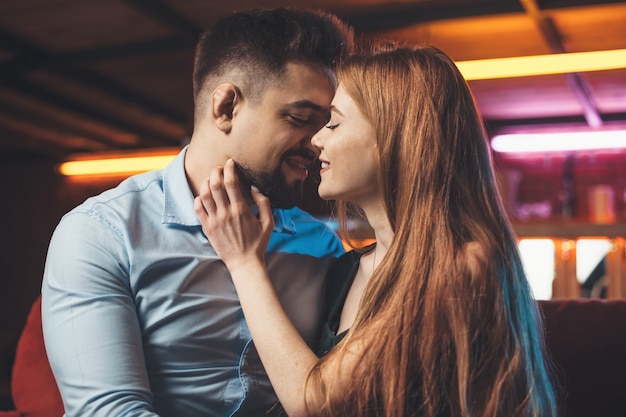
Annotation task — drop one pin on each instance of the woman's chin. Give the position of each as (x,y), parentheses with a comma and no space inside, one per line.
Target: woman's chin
(325,194)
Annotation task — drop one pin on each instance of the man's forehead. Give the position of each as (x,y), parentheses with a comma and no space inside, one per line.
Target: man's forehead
(313,82)
(307,89)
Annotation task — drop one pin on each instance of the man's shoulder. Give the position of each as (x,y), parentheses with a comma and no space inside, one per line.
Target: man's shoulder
(146,185)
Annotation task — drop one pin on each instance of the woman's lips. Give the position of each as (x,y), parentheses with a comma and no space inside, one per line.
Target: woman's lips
(325,166)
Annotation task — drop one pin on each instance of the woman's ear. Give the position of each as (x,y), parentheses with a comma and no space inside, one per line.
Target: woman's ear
(223,101)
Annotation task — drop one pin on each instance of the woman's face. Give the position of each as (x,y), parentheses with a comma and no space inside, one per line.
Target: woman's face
(348,154)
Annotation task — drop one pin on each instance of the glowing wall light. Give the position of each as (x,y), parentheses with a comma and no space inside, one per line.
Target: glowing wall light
(118,163)
(559,141)
(538,261)
(525,66)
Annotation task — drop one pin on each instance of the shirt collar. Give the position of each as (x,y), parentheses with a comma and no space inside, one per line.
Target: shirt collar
(283,221)
(178,197)
(178,200)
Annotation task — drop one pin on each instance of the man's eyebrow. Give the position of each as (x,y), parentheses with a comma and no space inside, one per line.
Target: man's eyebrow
(306,104)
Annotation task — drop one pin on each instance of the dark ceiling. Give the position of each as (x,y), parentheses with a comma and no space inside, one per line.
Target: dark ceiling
(92,75)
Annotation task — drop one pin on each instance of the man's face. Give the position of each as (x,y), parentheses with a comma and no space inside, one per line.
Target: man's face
(272,147)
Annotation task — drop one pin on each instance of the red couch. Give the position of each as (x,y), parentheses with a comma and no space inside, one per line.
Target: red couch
(33,388)
(586,339)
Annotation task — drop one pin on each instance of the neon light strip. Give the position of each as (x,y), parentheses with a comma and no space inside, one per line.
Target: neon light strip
(118,165)
(562,141)
(525,66)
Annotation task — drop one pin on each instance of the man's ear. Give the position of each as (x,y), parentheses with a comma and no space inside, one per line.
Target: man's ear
(223,101)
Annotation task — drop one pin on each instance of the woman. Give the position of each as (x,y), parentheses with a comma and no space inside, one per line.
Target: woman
(440,316)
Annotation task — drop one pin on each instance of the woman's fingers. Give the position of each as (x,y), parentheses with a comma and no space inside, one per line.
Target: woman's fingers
(235,233)
(204,205)
(265,210)
(217,190)
(232,187)
(225,191)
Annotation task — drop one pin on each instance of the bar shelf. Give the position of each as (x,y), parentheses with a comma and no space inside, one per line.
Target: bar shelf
(564,235)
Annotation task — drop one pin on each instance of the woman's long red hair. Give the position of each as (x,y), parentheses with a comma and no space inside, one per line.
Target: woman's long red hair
(447,322)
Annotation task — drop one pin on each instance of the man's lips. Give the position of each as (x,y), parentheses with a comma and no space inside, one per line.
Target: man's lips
(299,161)
(299,164)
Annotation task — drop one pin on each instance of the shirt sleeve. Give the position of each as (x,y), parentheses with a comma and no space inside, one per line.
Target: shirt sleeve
(91,329)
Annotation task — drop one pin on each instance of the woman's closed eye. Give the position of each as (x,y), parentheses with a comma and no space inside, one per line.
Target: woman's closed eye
(332,126)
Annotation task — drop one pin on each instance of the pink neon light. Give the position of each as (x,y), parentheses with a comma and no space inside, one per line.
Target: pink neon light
(561,141)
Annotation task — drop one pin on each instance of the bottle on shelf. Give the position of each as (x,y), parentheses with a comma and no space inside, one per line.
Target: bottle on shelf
(567,195)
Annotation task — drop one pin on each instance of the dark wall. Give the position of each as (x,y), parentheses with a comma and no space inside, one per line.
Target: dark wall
(30,209)
(34,198)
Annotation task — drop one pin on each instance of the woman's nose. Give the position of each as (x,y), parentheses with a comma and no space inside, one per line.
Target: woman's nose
(316,140)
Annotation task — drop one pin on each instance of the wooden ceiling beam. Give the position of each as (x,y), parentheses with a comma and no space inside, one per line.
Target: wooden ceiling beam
(50,98)
(115,52)
(41,136)
(31,56)
(498,125)
(565,4)
(159,11)
(118,92)
(395,15)
(18,146)
(576,81)
(33,105)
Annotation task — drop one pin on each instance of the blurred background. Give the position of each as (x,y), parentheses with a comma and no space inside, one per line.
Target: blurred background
(94,77)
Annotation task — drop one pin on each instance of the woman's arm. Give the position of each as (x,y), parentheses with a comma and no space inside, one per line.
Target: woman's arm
(240,239)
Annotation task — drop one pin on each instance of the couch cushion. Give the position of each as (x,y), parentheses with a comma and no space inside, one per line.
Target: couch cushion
(35,392)
(587,342)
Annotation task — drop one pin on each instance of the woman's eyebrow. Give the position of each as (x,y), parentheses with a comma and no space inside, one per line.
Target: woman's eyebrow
(336,110)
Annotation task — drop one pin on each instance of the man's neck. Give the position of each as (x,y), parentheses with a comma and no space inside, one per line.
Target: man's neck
(200,160)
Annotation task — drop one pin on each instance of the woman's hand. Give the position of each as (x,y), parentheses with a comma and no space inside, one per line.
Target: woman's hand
(237,235)
(240,239)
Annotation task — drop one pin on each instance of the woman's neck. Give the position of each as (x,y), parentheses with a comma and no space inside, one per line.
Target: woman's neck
(383,233)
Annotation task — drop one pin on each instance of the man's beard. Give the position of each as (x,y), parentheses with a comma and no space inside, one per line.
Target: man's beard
(273,185)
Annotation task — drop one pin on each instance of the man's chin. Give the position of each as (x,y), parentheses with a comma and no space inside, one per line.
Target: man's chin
(273,185)
(284,198)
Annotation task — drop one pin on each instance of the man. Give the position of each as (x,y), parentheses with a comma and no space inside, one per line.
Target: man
(140,315)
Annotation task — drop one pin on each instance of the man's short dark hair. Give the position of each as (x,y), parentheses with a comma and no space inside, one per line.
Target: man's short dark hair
(260,43)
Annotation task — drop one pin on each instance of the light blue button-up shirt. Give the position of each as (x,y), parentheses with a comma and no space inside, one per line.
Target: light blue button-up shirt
(140,316)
